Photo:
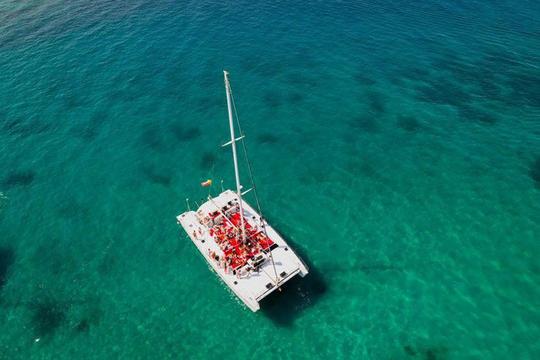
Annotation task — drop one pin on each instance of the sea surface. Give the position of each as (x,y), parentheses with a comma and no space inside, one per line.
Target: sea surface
(395,144)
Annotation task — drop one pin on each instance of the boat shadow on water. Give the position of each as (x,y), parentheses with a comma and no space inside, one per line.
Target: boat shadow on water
(296,296)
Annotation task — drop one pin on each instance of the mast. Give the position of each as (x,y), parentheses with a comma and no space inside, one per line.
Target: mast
(235,160)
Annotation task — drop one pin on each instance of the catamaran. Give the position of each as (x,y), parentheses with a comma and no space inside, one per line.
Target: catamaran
(246,252)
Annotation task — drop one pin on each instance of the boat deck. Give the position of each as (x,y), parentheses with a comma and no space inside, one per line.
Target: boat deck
(224,227)
(253,268)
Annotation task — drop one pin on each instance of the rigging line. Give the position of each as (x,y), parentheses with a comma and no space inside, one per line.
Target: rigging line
(250,172)
(253,183)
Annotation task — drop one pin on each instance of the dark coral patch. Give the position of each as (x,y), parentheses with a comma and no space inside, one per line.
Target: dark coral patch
(415,73)
(62,264)
(460,69)
(23,127)
(208,160)
(434,353)
(471,113)
(408,123)
(499,59)
(488,88)
(267,138)
(107,264)
(19,178)
(85,131)
(7,258)
(92,317)
(427,353)
(156,176)
(90,129)
(365,168)
(365,123)
(534,172)
(272,99)
(82,326)
(71,208)
(185,133)
(295,98)
(525,88)
(47,317)
(409,350)
(11,126)
(489,75)
(375,102)
(431,354)
(152,138)
(72,100)
(443,92)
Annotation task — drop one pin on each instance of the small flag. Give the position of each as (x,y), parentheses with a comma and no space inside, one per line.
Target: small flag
(206,183)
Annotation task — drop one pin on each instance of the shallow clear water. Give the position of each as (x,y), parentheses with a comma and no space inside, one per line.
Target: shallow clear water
(395,144)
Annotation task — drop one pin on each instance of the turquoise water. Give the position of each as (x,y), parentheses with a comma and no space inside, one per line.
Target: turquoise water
(396,144)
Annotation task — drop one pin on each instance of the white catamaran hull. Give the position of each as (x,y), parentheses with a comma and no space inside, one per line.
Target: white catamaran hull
(250,287)
(245,251)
